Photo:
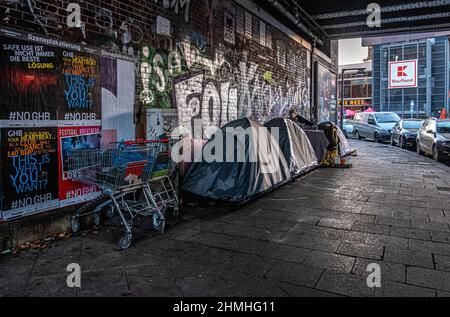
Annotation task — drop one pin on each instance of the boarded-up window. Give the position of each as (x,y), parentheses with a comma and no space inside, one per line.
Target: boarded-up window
(248,24)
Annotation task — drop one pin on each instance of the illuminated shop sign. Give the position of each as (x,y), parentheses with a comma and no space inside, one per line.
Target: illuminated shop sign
(403,74)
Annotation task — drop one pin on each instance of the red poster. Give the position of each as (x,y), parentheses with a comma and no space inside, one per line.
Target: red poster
(70,139)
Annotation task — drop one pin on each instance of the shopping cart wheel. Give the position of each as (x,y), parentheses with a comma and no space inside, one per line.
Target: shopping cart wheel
(162,227)
(125,242)
(176,212)
(159,223)
(110,212)
(75,224)
(97,219)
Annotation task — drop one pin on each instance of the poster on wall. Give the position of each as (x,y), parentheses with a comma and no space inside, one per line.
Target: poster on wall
(29,178)
(170,121)
(161,122)
(155,124)
(80,103)
(70,139)
(326,89)
(51,101)
(29,86)
(118,89)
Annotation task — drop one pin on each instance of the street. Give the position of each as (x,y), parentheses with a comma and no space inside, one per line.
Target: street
(315,237)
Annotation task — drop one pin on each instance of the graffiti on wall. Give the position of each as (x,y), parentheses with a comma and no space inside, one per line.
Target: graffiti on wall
(43,18)
(198,98)
(125,38)
(157,68)
(256,97)
(177,6)
(132,35)
(122,36)
(196,61)
(217,88)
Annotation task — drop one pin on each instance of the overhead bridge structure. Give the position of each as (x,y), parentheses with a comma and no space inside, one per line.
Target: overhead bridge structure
(331,19)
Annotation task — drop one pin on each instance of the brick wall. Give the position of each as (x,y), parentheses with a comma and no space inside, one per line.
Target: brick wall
(200,73)
(219,62)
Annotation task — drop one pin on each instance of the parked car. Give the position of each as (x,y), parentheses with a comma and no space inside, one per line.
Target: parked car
(433,139)
(376,126)
(404,133)
(348,128)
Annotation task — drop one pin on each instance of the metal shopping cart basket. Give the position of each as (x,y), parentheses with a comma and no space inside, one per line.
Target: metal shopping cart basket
(127,176)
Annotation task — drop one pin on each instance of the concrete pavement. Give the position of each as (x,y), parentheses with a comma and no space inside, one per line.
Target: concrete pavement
(315,237)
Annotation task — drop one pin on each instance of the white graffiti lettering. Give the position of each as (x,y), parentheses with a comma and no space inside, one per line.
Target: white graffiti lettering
(218,88)
(215,104)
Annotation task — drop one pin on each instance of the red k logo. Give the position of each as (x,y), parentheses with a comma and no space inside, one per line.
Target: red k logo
(401,71)
(403,74)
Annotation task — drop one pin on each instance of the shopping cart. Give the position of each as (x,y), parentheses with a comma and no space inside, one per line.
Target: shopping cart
(135,178)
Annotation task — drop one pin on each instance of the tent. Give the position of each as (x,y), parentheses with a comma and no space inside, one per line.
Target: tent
(247,165)
(295,145)
(319,142)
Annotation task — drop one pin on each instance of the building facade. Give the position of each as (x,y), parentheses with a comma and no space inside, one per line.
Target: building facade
(429,93)
(357,86)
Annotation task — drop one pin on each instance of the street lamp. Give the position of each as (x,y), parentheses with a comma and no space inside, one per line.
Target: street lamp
(360,71)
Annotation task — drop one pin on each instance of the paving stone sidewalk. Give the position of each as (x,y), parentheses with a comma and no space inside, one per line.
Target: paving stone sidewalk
(315,237)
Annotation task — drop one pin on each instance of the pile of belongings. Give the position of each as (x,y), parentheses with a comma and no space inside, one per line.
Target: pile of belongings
(341,143)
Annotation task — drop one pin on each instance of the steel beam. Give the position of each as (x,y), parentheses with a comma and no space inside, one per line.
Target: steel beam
(384,9)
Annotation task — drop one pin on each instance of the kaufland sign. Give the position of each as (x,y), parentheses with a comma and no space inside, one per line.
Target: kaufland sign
(403,74)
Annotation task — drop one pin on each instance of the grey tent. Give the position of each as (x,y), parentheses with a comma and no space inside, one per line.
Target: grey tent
(319,142)
(295,145)
(249,165)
